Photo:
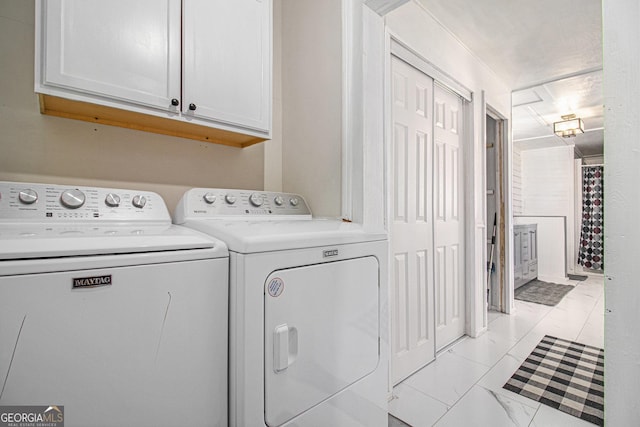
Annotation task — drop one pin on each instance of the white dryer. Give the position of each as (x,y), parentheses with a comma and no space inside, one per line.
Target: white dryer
(308,310)
(110,311)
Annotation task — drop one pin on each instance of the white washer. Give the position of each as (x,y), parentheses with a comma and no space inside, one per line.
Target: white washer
(109,310)
(308,310)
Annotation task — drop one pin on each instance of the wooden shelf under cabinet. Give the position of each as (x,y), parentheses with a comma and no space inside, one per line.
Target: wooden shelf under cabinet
(60,107)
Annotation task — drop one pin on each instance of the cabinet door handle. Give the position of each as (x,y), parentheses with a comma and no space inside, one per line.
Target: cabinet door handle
(175,102)
(192,107)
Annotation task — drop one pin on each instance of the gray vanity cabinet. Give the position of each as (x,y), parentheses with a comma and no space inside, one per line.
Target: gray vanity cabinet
(525,242)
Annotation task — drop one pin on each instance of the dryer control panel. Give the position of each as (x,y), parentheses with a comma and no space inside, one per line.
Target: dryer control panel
(51,203)
(225,203)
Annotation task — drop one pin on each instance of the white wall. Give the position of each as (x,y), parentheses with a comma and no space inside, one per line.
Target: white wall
(312,102)
(416,28)
(34,147)
(548,190)
(547,181)
(622,206)
(516,194)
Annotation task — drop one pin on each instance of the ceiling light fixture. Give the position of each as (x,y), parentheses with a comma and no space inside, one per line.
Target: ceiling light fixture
(569,127)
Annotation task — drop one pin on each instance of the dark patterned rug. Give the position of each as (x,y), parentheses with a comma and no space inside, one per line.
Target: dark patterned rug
(564,375)
(541,292)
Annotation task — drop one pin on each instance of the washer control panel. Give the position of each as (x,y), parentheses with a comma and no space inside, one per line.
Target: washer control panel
(219,202)
(59,203)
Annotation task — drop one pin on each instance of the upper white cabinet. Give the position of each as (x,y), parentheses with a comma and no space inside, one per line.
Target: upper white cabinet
(200,69)
(121,50)
(227,60)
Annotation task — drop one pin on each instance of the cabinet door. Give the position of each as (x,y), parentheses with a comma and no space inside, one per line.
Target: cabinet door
(119,49)
(524,243)
(227,61)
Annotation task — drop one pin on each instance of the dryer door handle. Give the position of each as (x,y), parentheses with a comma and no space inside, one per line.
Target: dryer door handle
(285,347)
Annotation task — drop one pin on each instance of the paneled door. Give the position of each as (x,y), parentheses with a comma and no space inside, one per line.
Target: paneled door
(448,218)
(411,222)
(427,219)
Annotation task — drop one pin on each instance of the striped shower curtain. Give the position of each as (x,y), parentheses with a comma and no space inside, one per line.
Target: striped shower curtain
(591,254)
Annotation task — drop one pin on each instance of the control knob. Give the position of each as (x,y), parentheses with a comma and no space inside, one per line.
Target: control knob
(112,200)
(256,199)
(278,200)
(139,201)
(294,201)
(209,198)
(230,199)
(28,196)
(72,199)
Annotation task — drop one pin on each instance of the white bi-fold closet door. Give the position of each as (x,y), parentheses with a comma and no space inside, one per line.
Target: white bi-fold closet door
(427,219)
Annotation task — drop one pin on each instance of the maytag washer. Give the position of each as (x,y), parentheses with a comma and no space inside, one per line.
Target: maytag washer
(109,310)
(308,310)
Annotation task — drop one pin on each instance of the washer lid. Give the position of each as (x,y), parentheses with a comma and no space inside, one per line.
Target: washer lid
(265,236)
(41,241)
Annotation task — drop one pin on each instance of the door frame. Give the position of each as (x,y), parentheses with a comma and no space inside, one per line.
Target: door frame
(503,209)
(368,167)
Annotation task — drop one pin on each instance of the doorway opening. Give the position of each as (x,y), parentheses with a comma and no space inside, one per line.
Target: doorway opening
(496,215)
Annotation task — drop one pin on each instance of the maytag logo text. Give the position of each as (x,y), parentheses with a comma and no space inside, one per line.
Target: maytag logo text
(90,282)
(330,253)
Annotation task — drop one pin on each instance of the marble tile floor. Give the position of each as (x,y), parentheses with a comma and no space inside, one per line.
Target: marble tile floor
(463,386)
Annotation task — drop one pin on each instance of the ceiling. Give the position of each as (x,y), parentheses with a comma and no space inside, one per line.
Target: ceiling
(549,51)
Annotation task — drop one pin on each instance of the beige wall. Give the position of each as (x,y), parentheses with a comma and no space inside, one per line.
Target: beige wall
(312,102)
(273,148)
(40,148)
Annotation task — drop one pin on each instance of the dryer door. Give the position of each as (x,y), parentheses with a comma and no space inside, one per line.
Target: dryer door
(321,333)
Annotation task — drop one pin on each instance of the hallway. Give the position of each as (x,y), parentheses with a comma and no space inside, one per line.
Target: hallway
(463,387)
